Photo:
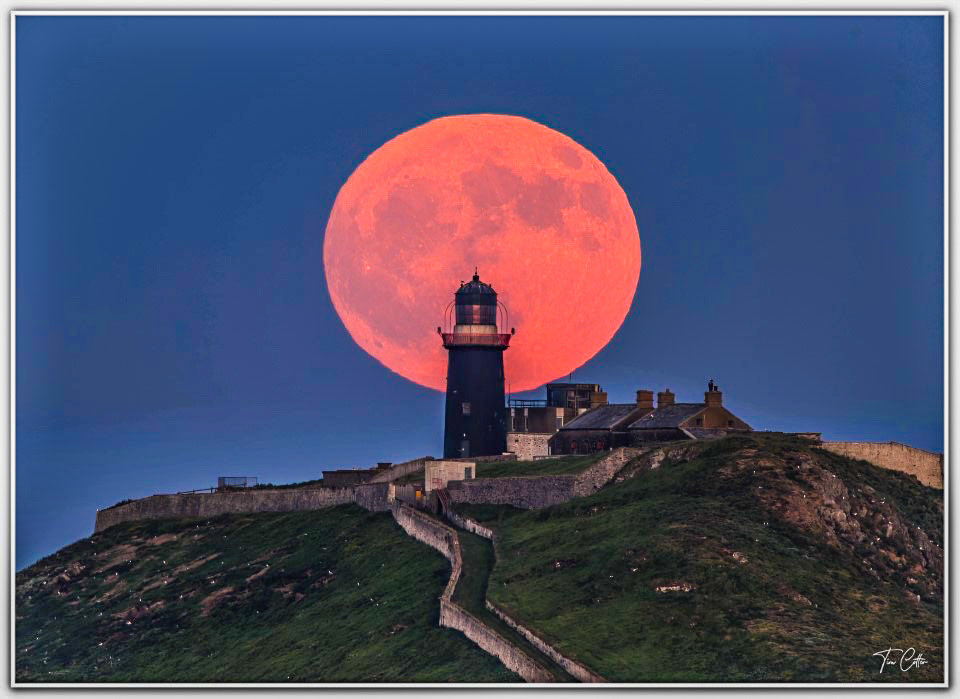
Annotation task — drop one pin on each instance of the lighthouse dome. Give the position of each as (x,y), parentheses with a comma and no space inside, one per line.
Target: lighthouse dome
(476,292)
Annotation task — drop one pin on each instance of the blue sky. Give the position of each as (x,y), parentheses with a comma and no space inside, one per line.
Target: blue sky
(174,176)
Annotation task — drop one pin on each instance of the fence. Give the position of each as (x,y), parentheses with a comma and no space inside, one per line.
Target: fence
(224,482)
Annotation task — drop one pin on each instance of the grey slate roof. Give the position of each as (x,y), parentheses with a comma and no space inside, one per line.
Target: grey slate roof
(667,416)
(601,418)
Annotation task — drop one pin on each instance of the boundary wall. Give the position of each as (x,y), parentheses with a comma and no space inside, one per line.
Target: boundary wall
(439,536)
(372,497)
(927,466)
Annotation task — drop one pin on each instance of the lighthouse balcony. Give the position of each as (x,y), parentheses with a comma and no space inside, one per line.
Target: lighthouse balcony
(455,339)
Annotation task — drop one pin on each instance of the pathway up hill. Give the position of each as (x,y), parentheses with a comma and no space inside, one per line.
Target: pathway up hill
(754,559)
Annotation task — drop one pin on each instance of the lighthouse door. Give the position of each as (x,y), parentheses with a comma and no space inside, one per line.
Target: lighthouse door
(465,448)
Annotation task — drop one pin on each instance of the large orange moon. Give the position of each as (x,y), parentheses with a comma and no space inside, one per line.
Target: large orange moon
(537,213)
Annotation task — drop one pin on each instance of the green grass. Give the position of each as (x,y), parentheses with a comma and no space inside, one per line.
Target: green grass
(340,595)
(471,592)
(583,576)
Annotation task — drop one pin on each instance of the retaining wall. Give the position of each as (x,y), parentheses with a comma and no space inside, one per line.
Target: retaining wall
(400,470)
(927,466)
(370,497)
(534,492)
(527,493)
(602,472)
(577,670)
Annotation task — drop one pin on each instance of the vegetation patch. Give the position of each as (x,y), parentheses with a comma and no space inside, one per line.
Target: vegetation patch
(335,595)
(750,559)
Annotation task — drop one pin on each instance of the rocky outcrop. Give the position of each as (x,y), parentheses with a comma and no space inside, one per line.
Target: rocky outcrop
(804,492)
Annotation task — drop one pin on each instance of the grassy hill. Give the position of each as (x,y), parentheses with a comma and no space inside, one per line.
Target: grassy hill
(339,595)
(750,559)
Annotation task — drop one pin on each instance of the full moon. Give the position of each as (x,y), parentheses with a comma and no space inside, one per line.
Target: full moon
(535,212)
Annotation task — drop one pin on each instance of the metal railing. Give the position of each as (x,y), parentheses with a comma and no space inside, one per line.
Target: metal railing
(236,482)
(464,339)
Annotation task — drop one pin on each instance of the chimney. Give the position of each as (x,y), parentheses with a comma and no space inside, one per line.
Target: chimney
(713,397)
(665,398)
(645,399)
(598,398)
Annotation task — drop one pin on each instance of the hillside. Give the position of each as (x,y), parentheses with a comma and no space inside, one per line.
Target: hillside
(755,558)
(749,559)
(337,595)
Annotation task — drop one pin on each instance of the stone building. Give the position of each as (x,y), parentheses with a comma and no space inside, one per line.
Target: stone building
(635,424)
(531,423)
(438,473)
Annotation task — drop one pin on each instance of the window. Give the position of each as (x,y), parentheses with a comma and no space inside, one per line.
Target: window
(466,408)
(729,423)
(559,422)
(468,472)
(699,422)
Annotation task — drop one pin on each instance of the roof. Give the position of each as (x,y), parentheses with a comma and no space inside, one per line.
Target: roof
(602,417)
(668,416)
(476,288)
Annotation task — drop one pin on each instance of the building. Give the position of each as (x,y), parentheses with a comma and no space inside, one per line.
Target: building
(636,424)
(531,423)
(436,474)
(475,413)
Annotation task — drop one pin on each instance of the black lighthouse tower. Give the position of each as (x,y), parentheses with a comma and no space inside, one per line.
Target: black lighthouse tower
(475,418)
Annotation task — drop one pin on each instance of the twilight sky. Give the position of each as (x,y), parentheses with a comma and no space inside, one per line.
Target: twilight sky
(175,174)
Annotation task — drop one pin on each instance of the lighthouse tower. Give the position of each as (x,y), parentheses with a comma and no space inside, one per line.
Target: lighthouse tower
(475,418)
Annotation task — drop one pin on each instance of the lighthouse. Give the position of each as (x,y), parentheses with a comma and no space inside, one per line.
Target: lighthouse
(475,416)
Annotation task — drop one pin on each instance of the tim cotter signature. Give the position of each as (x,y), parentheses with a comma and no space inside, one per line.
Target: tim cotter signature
(907,660)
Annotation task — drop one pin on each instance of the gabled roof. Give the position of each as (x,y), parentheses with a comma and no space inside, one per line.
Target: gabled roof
(603,417)
(668,416)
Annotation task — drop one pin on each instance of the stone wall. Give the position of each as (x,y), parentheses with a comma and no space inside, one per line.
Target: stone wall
(469,524)
(603,471)
(528,445)
(527,493)
(534,492)
(927,466)
(439,536)
(455,617)
(400,470)
(574,668)
(371,497)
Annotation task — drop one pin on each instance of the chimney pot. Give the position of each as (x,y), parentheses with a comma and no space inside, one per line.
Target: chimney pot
(645,399)
(713,397)
(665,398)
